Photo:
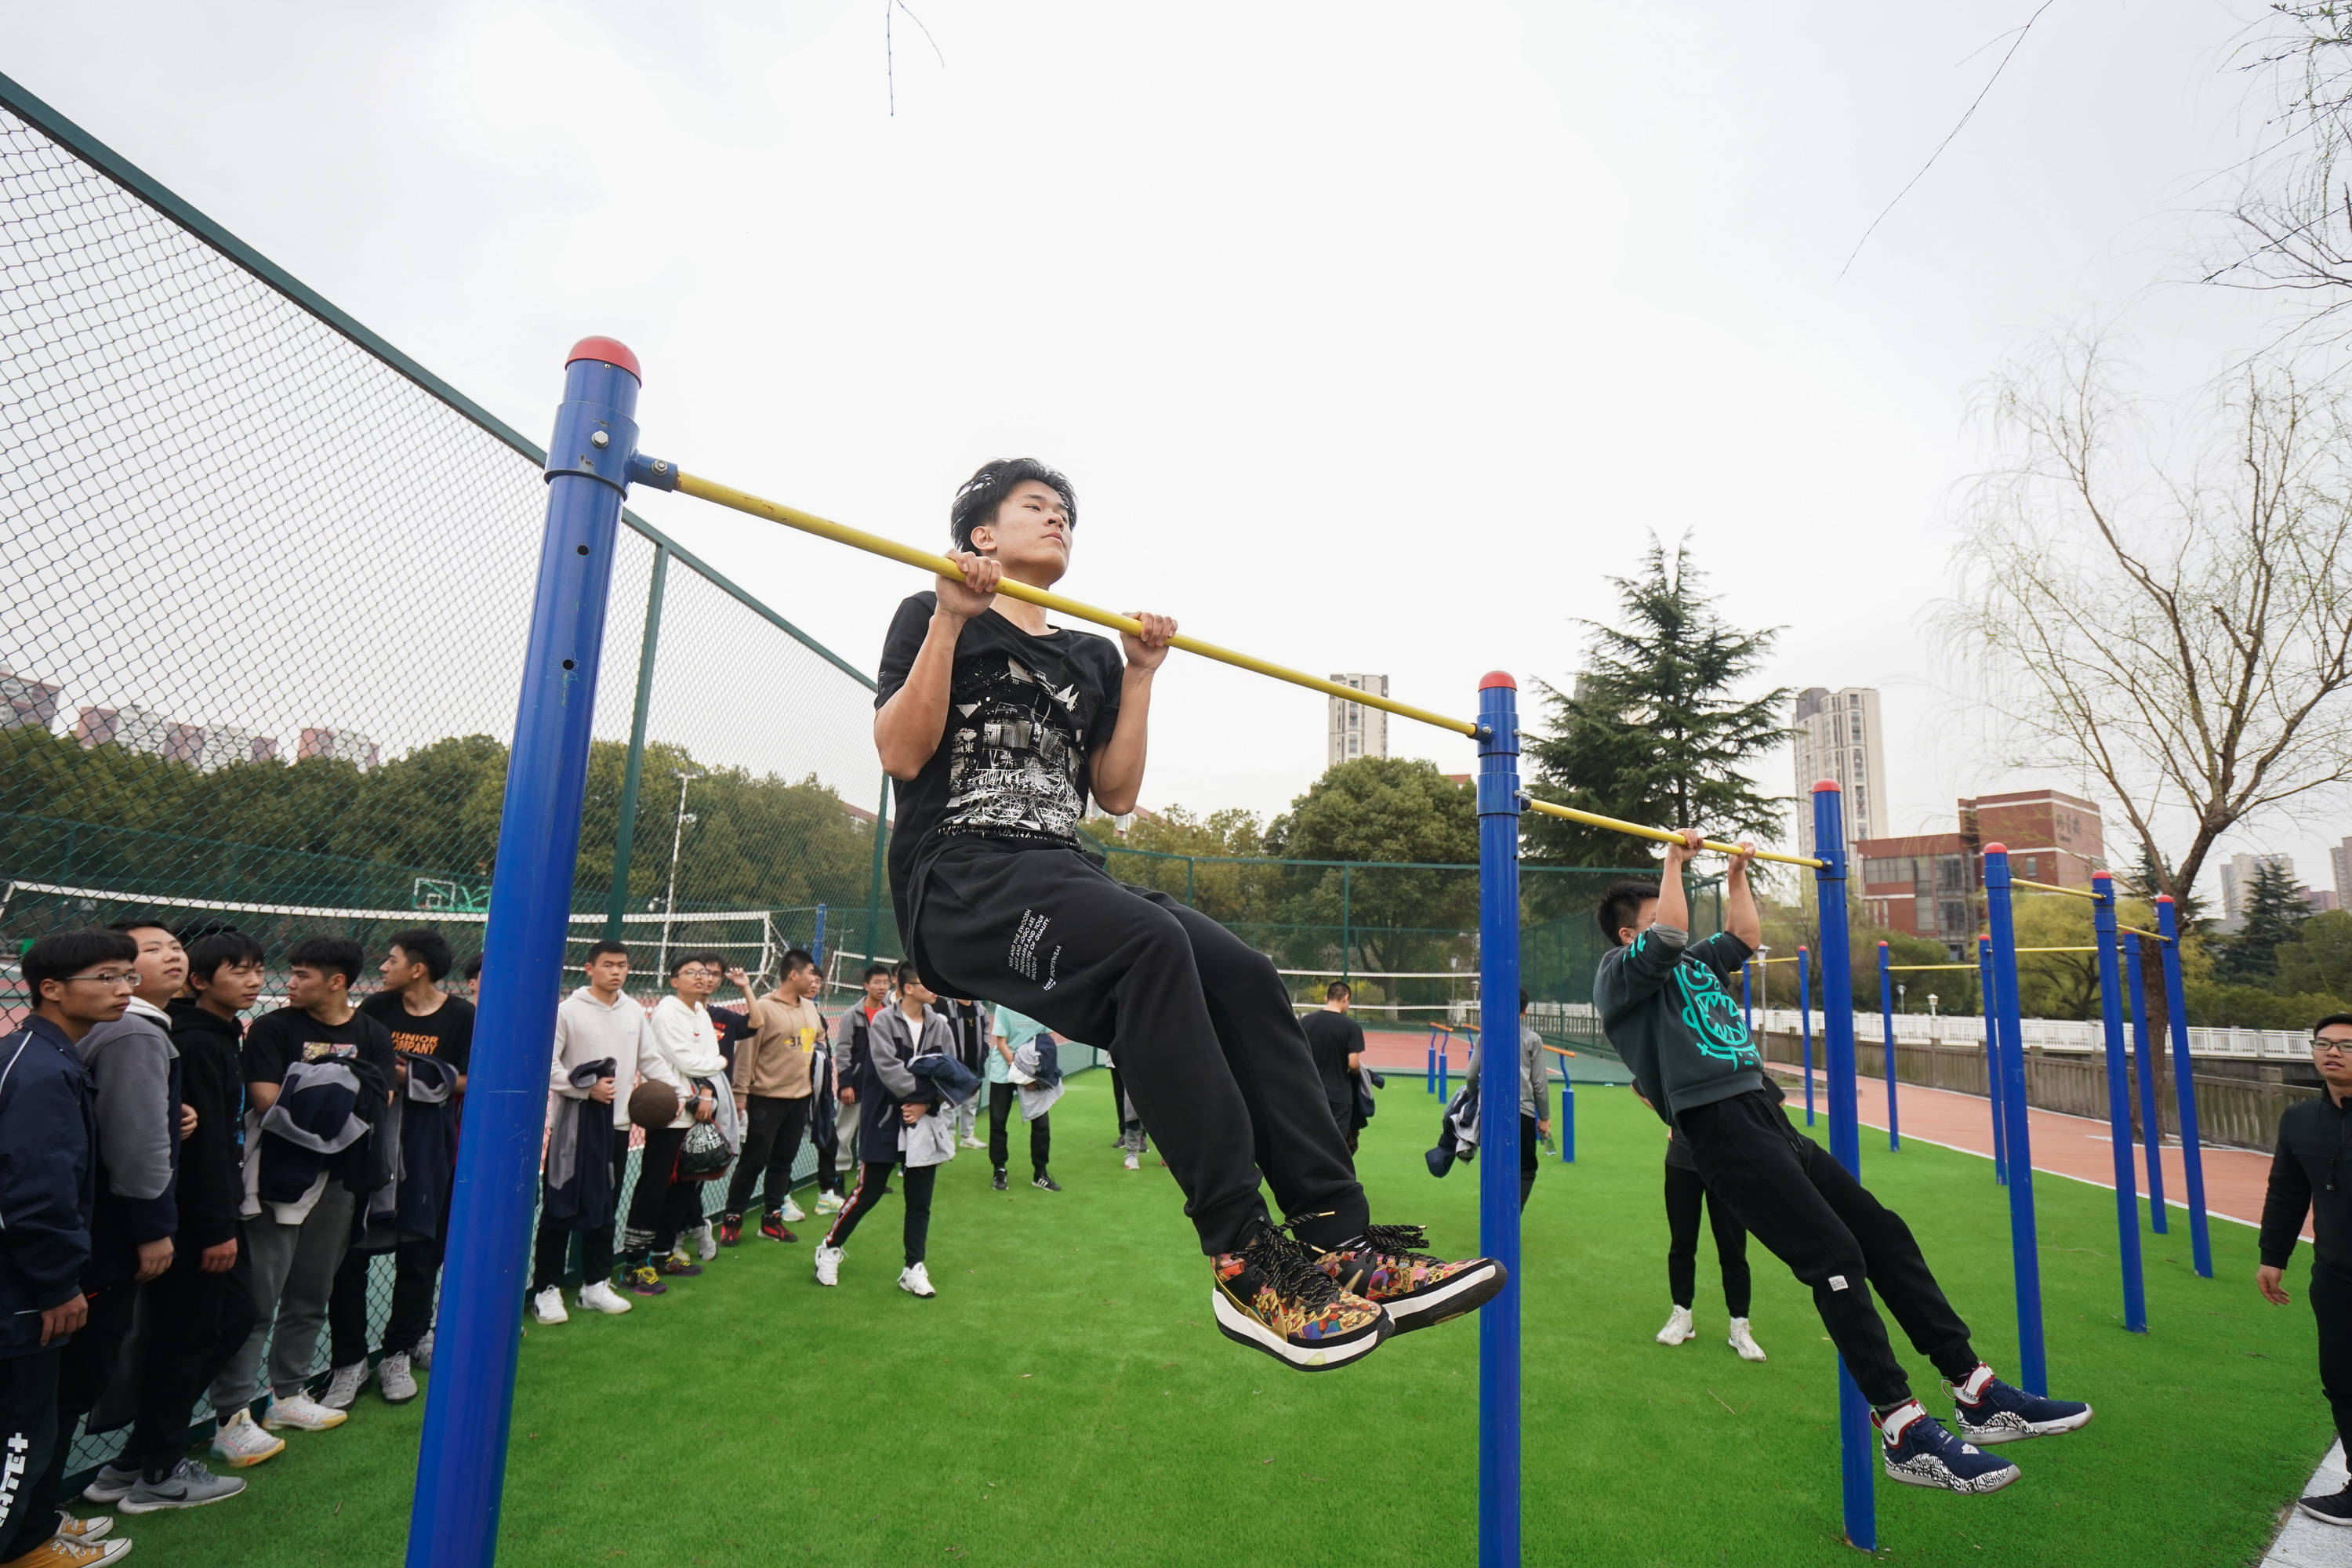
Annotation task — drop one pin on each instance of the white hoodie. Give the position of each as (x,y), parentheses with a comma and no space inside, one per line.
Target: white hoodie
(588,1031)
(686,1043)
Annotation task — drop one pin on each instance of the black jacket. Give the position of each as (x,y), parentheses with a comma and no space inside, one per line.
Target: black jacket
(212,1079)
(2310,1173)
(48,1167)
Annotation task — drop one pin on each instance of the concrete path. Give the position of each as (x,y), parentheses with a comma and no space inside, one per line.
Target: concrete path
(2303,1541)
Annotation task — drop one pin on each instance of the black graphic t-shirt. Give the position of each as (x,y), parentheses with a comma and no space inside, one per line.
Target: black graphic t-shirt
(1024,714)
(275,1041)
(447,1032)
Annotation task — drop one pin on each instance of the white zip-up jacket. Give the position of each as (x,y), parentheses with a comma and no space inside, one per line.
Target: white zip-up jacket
(687,1041)
(588,1031)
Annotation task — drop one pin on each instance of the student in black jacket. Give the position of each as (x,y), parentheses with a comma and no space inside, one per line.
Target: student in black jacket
(2311,1174)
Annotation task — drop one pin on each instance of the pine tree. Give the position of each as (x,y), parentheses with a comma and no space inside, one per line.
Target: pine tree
(2147,879)
(2273,915)
(1652,732)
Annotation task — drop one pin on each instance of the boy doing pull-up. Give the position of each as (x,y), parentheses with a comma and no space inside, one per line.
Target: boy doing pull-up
(1661,1002)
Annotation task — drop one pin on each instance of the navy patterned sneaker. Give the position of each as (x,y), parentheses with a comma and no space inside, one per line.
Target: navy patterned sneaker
(1920,1453)
(1990,1411)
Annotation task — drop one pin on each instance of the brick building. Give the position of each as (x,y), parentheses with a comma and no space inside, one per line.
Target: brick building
(1931,884)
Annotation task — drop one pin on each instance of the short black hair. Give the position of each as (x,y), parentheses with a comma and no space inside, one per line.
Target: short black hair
(979,497)
(1524,1003)
(874,969)
(473,969)
(62,954)
(138,923)
(1620,904)
(597,950)
(209,951)
(907,972)
(426,946)
(797,959)
(681,960)
(1336,989)
(329,955)
(2332,1019)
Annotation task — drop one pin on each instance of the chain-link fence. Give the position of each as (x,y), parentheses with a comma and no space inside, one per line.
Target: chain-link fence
(258,666)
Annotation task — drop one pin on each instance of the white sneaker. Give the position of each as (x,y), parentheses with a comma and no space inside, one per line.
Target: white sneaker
(1744,1342)
(422,1356)
(240,1442)
(828,1264)
(969,1142)
(398,1383)
(546,1306)
(791,1212)
(343,1387)
(1678,1327)
(303,1413)
(598,1296)
(916,1280)
(1133,1163)
(705,1243)
(829,1203)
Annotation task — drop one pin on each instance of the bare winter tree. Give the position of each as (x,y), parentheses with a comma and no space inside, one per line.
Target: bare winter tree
(2181,630)
(2292,218)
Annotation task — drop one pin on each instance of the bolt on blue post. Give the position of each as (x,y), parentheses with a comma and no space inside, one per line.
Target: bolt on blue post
(2151,1131)
(1886,1036)
(2184,1086)
(461,1460)
(1994,1099)
(2119,1128)
(2024,1248)
(1857,1448)
(1498,1098)
(1805,1024)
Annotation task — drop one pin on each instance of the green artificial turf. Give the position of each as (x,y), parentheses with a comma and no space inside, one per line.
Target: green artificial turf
(1066,1400)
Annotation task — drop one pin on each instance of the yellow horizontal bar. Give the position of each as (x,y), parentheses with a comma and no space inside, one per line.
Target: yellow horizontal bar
(2134,931)
(1894,966)
(940,565)
(1636,830)
(2053,888)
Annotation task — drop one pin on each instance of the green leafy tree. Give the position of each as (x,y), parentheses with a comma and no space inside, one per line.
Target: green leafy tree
(1213,862)
(2273,915)
(1391,809)
(2318,957)
(1653,730)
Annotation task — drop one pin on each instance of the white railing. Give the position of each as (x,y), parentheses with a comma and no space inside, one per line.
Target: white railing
(2049,1033)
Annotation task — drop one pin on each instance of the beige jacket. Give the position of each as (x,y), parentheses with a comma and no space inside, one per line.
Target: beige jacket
(773,1063)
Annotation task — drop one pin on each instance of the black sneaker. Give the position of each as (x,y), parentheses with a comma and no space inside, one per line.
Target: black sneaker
(999,1182)
(2002,1413)
(1047,1183)
(1271,1296)
(2329,1507)
(1389,1266)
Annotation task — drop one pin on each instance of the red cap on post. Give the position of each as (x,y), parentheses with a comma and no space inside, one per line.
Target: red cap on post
(2103,875)
(2164,898)
(1497,677)
(1996,848)
(1882,944)
(1830,786)
(611,351)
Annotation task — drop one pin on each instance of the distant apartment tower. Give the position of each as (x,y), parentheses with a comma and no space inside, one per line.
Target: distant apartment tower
(344,746)
(1837,738)
(1929,884)
(2340,860)
(29,704)
(1357,730)
(2238,873)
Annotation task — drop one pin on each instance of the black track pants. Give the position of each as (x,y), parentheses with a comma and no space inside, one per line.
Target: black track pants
(1833,1235)
(2331,1303)
(1685,1195)
(195,1321)
(1003,1106)
(1208,1047)
(772,1142)
(873,1187)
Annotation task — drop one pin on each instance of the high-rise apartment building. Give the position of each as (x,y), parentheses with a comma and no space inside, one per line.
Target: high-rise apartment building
(2238,884)
(1837,738)
(1357,730)
(2340,860)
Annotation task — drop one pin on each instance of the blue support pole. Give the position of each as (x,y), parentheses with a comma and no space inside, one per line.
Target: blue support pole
(2119,1129)
(1994,1099)
(1805,1023)
(2151,1131)
(1444,1093)
(1498,1090)
(2184,1085)
(461,1460)
(2024,1248)
(1857,1445)
(816,941)
(1432,1059)
(1747,1012)
(1567,1117)
(1886,1036)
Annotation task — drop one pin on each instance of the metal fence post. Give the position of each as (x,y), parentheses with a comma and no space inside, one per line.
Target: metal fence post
(2119,1129)
(1886,1034)
(1499,1086)
(1857,1448)
(2184,1085)
(1805,1023)
(1347,918)
(2151,1132)
(461,1460)
(633,777)
(816,939)
(1993,1097)
(2025,1256)
(874,885)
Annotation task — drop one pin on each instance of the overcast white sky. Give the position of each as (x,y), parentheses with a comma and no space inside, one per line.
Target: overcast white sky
(1373,335)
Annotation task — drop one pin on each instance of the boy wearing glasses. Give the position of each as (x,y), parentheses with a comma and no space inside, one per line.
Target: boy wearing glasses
(2311,1175)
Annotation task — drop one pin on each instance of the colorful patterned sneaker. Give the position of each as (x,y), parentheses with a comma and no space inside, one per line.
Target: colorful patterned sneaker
(2329,1507)
(1272,1296)
(1919,1453)
(773,1226)
(792,1214)
(678,1265)
(1992,1411)
(730,1231)
(642,1279)
(831,1203)
(1387,1267)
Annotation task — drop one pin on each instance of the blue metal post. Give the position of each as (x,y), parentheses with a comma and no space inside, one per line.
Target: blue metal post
(816,941)
(2151,1131)
(1886,1034)
(1443,1092)
(461,1460)
(1566,1116)
(1432,1059)
(1805,1023)
(1747,1012)
(1857,1446)
(2024,1249)
(1993,1062)
(1498,1094)
(2119,1129)
(2184,1085)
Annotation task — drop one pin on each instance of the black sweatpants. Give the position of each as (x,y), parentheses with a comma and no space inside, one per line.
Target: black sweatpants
(83,1372)
(1527,1159)
(772,1142)
(195,1323)
(660,1206)
(1003,1106)
(1815,1217)
(1210,1053)
(2331,1303)
(1685,1193)
(416,1269)
(550,1255)
(32,1449)
(873,1187)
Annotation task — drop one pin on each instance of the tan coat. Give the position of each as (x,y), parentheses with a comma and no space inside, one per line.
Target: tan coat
(773,1063)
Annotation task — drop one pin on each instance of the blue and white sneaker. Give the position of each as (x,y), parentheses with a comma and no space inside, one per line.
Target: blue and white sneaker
(1920,1453)
(1987,1410)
